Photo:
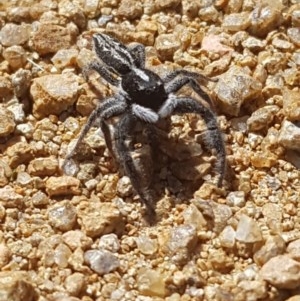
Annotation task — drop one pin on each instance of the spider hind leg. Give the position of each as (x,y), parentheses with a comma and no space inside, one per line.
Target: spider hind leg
(213,139)
(137,165)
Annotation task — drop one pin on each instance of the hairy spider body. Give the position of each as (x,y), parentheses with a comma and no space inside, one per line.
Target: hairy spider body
(145,88)
(144,96)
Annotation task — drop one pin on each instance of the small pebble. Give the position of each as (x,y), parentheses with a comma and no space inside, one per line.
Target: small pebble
(221,213)
(5,255)
(49,97)
(64,185)
(7,122)
(12,34)
(234,88)
(219,261)
(98,218)
(25,129)
(151,283)
(23,179)
(263,159)
(167,3)
(9,198)
(18,110)
(254,290)
(289,135)
(236,198)
(65,58)
(62,216)
(16,285)
(291,104)
(77,239)
(227,237)
(109,242)
(75,284)
(40,199)
(43,167)
(166,45)
(261,118)
(146,245)
(181,242)
(16,56)
(130,9)
(247,230)
(21,81)
(5,173)
(274,246)
(254,44)
(294,249)
(236,22)
(282,272)
(5,87)
(192,216)
(50,38)
(102,262)
(61,255)
(124,187)
(294,33)
(265,17)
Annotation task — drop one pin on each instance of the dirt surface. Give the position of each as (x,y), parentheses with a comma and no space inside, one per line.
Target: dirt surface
(86,237)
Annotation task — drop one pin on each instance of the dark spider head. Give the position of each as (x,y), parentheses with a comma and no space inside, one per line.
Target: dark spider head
(144,88)
(113,53)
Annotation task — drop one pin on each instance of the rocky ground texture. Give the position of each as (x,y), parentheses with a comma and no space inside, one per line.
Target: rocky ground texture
(84,237)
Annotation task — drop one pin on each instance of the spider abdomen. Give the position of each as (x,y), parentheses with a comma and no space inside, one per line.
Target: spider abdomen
(145,88)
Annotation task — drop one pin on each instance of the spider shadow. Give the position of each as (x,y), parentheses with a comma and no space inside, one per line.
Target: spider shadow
(178,165)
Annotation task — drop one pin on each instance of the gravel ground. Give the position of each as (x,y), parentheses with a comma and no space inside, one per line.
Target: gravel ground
(85,237)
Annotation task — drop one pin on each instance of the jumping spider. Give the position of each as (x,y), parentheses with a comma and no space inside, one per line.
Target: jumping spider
(144,97)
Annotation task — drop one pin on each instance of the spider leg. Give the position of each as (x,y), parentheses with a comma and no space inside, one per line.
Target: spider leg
(131,167)
(213,139)
(138,53)
(105,71)
(111,107)
(195,75)
(178,83)
(174,83)
(107,136)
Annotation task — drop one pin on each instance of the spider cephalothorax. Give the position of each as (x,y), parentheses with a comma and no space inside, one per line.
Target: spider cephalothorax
(146,97)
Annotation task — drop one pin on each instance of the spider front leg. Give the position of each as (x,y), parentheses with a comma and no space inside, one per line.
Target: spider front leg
(106,72)
(174,83)
(134,168)
(214,139)
(110,107)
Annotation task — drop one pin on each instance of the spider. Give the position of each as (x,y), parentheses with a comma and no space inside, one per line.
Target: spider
(145,97)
